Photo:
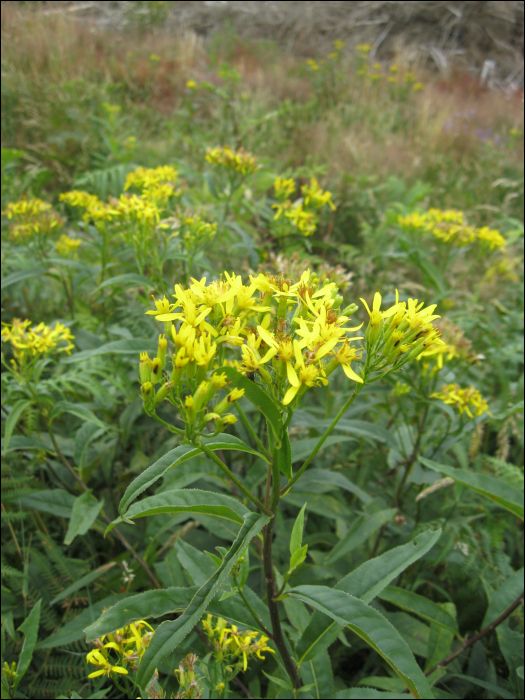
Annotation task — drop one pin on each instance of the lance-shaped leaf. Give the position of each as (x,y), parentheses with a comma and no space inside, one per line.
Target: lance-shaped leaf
(175,457)
(420,606)
(186,501)
(169,634)
(256,396)
(497,490)
(30,629)
(360,531)
(85,511)
(373,628)
(365,582)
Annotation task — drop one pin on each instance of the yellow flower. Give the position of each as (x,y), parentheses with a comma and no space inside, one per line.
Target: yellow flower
(313,64)
(314,196)
(30,343)
(363,48)
(67,246)
(491,237)
(238,161)
(465,400)
(338,44)
(191,85)
(96,658)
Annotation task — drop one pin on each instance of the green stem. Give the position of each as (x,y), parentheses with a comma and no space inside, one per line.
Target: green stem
(231,476)
(251,431)
(321,442)
(170,427)
(270,583)
(252,612)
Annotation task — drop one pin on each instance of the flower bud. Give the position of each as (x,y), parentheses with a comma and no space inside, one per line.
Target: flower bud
(161,351)
(375,326)
(146,391)
(163,392)
(191,414)
(349,310)
(145,368)
(200,396)
(226,403)
(337,303)
(156,371)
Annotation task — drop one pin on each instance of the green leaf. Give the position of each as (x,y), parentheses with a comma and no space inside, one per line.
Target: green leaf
(12,419)
(318,673)
(74,630)
(438,645)
(118,347)
(360,531)
(303,448)
(497,490)
(372,627)
(139,607)
(365,582)
(170,633)
(84,437)
(496,689)
(79,411)
(22,275)
(420,606)
(298,557)
(85,511)
(30,629)
(256,396)
(296,538)
(369,579)
(21,442)
(312,479)
(157,603)
(131,279)
(362,428)
(172,459)
(55,501)
(506,594)
(186,501)
(197,564)
(368,694)
(82,582)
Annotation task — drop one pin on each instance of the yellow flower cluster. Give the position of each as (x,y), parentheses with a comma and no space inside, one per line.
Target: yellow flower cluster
(129,643)
(197,232)
(29,343)
(292,336)
(302,213)
(95,209)
(31,217)
(67,246)
(156,186)
(467,400)
(239,161)
(231,645)
(148,179)
(401,333)
(450,226)
(363,48)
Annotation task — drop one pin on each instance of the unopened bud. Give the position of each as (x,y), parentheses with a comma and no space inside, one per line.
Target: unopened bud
(163,392)
(156,370)
(145,368)
(349,310)
(189,404)
(226,403)
(161,351)
(146,391)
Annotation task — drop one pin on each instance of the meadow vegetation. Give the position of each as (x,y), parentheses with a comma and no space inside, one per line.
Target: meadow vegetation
(262,369)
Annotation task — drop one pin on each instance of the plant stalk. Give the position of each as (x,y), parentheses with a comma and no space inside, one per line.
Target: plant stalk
(270,583)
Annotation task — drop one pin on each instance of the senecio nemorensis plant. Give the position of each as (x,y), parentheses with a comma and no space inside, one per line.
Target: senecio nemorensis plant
(268,342)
